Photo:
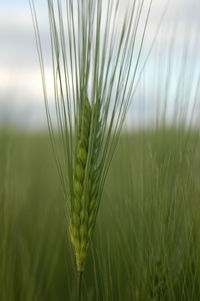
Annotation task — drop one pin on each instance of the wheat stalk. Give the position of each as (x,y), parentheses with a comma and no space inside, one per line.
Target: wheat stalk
(94,59)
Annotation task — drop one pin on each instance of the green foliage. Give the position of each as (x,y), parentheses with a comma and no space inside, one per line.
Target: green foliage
(146,243)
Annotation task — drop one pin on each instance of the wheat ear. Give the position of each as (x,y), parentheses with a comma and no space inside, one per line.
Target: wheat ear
(94,63)
(84,195)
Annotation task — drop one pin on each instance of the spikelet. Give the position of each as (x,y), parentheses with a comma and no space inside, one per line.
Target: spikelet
(85,190)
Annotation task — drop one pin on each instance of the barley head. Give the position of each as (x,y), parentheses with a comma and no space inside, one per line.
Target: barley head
(94,64)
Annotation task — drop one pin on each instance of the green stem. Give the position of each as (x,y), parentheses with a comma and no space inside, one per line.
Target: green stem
(80,274)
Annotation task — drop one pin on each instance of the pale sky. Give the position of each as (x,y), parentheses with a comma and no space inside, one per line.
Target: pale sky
(20,81)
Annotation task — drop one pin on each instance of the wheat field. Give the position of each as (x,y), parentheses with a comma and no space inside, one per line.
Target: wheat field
(146,242)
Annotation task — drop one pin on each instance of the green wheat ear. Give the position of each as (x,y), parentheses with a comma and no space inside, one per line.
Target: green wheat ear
(91,55)
(84,194)
(80,197)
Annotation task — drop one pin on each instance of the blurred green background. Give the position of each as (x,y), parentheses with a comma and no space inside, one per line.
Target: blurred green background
(146,243)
